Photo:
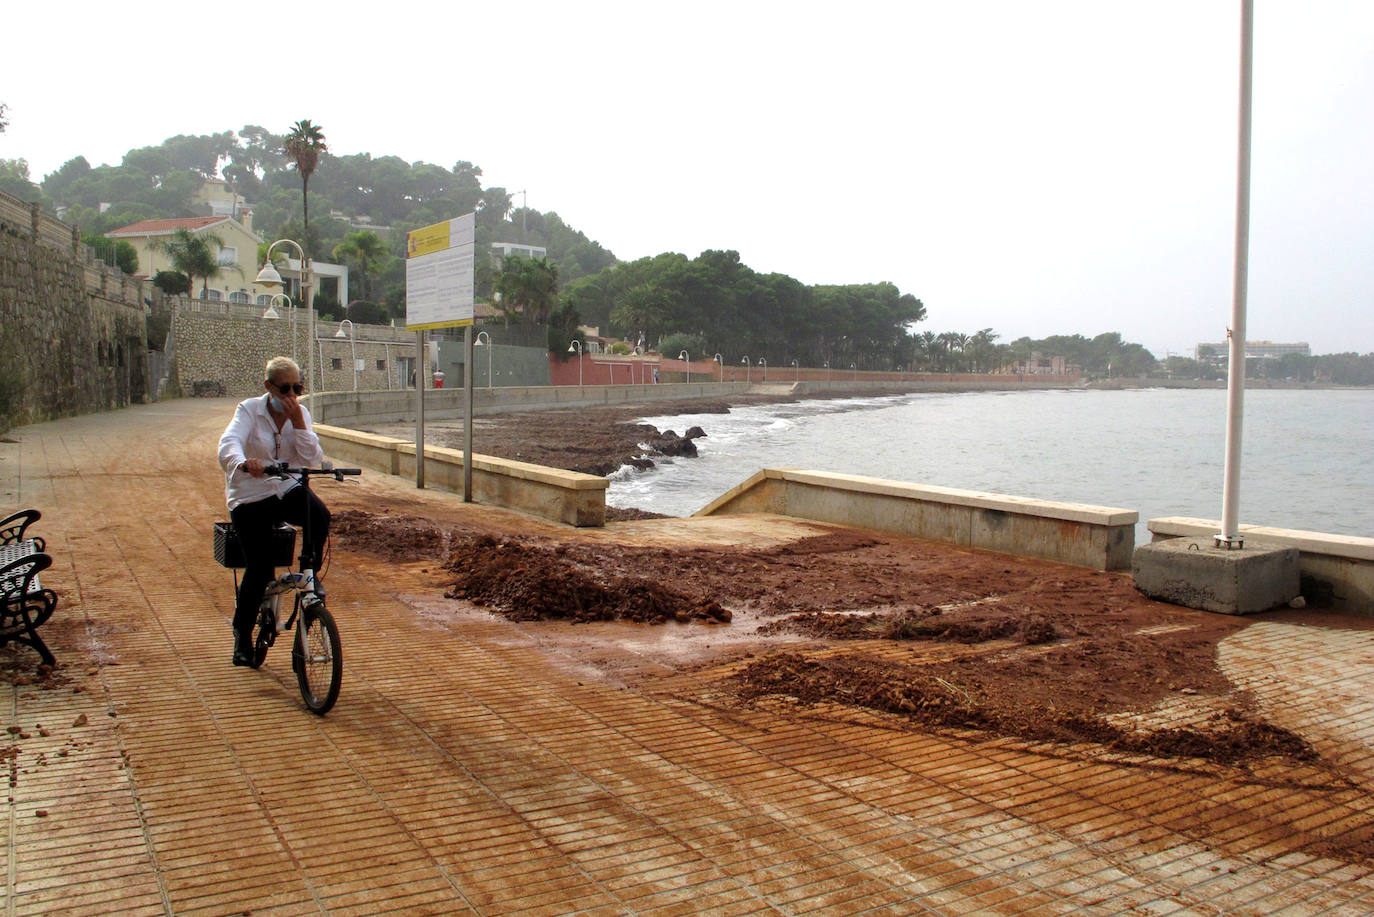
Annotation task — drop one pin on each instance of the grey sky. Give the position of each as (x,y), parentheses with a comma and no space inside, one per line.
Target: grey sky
(1040,168)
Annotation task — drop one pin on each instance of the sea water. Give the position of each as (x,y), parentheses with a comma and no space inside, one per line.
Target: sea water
(1307,456)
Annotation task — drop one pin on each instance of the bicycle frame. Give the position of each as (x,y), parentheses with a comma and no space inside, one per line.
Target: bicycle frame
(306,581)
(307,609)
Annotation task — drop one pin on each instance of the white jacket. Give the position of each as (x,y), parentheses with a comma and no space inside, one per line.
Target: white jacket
(253,434)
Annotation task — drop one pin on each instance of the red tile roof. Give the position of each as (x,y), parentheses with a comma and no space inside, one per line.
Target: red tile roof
(159,227)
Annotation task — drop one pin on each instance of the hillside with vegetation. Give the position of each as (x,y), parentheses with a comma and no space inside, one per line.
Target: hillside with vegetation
(361,206)
(355,201)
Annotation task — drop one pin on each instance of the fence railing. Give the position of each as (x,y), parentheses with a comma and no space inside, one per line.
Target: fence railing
(47,229)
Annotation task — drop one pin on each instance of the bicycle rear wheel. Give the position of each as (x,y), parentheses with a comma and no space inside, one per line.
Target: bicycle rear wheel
(320,670)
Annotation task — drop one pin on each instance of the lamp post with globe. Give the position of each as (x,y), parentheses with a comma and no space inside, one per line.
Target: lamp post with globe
(353,347)
(272,313)
(576,347)
(269,277)
(490,350)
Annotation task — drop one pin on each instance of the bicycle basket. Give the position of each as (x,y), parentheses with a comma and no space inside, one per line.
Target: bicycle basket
(228,553)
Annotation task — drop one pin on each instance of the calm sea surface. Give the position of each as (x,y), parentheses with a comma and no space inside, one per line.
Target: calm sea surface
(1308,456)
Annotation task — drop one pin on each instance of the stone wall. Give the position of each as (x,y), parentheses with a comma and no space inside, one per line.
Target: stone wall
(73,333)
(224,353)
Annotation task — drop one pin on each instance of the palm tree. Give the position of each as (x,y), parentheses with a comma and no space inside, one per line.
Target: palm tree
(644,308)
(528,288)
(366,251)
(929,346)
(984,348)
(195,255)
(303,146)
(949,341)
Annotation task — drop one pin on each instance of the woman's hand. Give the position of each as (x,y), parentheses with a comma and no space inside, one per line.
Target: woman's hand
(291,407)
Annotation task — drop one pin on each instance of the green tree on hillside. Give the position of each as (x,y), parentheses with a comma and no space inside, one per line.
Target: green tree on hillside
(365,251)
(14,180)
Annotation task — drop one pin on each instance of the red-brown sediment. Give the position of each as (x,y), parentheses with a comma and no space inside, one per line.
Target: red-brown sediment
(1037,650)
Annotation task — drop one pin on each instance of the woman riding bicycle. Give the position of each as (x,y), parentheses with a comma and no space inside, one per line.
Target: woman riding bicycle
(274,427)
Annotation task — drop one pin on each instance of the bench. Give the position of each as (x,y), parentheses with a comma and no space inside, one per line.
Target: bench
(24,604)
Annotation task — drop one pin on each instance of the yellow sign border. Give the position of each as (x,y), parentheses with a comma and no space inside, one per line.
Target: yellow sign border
(430,326)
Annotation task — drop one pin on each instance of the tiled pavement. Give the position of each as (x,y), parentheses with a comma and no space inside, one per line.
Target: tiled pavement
(464,772)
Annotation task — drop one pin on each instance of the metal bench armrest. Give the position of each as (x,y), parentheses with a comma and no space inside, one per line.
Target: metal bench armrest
(19,578)
(12,527)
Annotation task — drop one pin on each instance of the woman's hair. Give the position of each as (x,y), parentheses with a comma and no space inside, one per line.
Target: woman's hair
(281,365)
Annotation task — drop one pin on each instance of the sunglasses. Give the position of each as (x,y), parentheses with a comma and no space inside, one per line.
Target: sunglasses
(288,387)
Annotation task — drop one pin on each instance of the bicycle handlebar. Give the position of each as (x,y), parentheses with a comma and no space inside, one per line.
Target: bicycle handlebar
(281,470)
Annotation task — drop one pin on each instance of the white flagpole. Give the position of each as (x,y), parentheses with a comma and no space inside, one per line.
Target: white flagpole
(1235,384)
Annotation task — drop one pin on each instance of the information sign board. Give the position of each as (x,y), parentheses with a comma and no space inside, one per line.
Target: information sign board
(439,274)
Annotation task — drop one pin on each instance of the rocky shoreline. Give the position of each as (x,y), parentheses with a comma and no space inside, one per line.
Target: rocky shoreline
(596,440)
(592,440)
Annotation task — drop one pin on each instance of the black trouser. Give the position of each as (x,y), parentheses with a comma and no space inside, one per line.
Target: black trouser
(253,522)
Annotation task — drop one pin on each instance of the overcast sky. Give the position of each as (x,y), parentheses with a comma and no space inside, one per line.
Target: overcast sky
(1036,167)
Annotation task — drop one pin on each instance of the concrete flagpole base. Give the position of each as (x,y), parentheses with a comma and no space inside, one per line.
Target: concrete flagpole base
(1195,573)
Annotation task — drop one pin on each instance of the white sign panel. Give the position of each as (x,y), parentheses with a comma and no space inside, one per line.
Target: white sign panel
(439,274)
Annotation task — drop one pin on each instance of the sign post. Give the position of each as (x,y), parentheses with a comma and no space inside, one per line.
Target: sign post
(439,294)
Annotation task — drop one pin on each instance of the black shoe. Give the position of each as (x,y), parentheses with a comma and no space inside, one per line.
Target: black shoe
(243,650)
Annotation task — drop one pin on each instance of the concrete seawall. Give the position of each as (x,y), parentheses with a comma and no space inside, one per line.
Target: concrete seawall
(1099,537)
(371,407)
(563,496)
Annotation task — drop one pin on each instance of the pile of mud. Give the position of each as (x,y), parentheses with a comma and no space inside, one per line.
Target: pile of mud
(948,695)
(393,538)
(527,581)
(919,624)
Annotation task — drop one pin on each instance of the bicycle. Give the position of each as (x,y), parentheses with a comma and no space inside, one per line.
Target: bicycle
(317,653)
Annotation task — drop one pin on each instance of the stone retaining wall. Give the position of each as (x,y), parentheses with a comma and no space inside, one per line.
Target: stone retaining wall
(73,332)
(224,354)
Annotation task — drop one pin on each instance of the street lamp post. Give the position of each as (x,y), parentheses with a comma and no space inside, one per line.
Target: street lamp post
(796,372)
(745,361)
(352,347)
(270,278)
(763,361)
(272,314)
(853,376)
(576,347)
(827,372)
(721,365)
(490,351)
(682,355)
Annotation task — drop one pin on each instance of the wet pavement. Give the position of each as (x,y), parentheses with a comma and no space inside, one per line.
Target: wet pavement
(469,769)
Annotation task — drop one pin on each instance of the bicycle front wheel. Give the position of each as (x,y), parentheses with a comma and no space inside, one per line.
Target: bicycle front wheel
(319,659)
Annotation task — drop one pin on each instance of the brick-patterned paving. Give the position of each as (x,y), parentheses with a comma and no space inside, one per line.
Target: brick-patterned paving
(464,771)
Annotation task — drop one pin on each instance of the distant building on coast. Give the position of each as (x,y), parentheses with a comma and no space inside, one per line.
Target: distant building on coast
(1218,354)
(1041,365)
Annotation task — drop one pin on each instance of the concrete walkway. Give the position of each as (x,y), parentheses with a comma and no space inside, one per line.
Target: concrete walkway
(465,771)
